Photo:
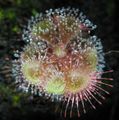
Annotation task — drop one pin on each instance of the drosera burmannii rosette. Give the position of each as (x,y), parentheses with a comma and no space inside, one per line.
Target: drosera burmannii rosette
(62,61)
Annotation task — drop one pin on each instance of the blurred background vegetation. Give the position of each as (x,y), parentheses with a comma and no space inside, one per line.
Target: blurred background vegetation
(14,15)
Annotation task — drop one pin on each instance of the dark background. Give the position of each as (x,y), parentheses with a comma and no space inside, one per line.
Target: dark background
(14,15)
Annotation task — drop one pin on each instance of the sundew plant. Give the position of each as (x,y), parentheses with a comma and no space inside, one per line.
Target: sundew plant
(62,61)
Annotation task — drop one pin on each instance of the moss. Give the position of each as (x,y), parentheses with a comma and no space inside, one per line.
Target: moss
(16,29)
(1,14)
(10,13)
(34,12)
(16,100)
